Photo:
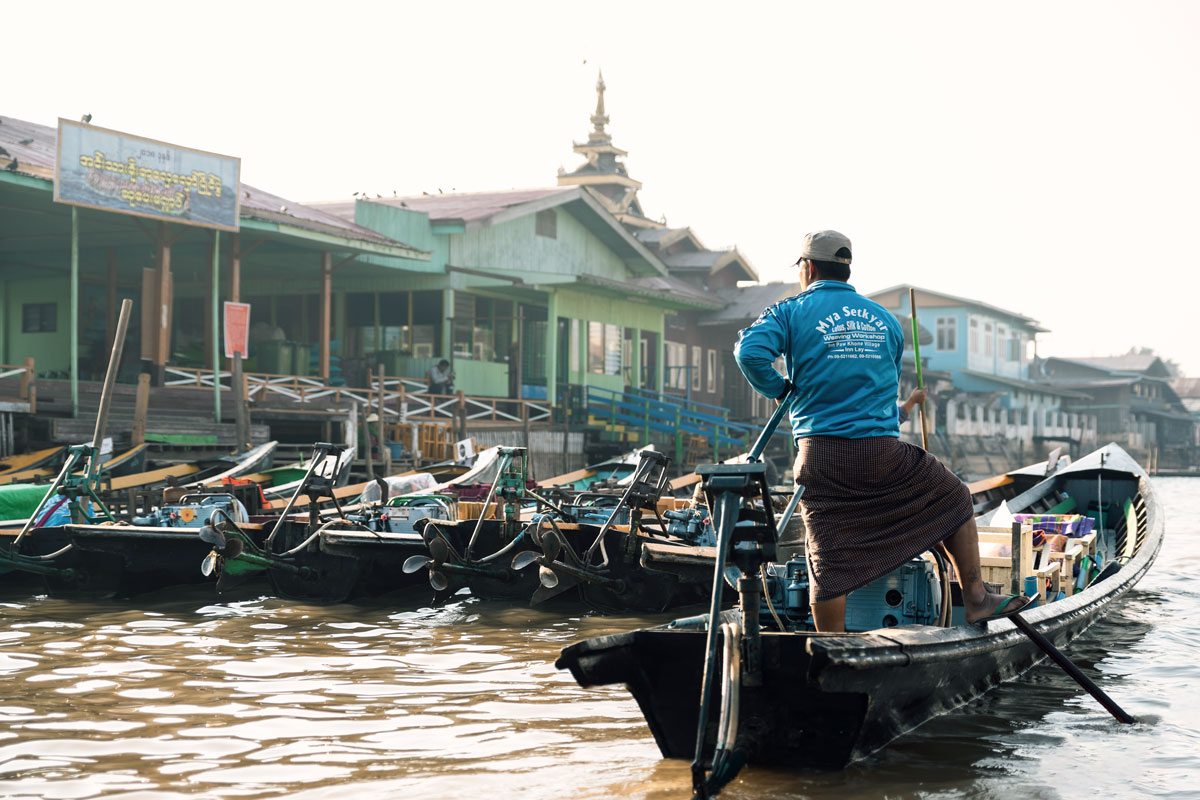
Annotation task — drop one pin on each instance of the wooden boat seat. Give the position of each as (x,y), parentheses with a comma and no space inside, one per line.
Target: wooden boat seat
(1007,570)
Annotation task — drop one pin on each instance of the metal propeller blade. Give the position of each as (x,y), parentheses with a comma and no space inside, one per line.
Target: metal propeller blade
(438,580)
(524,558)
(547,577)
(551,545)
(233,547)
(439,549)
(212,536)
(416,564)
(209,565)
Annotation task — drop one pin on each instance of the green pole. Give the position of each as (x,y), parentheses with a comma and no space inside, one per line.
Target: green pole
(75,316)
(912,308)
(216,325)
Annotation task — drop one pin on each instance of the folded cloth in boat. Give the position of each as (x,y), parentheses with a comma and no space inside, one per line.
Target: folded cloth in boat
(869,505)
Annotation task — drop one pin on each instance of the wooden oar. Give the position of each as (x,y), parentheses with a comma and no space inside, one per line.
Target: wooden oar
(1023,626)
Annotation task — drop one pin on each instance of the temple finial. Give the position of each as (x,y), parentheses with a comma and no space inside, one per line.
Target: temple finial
(599,118)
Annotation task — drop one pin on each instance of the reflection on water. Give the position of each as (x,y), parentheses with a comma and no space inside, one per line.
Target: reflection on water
(176,695)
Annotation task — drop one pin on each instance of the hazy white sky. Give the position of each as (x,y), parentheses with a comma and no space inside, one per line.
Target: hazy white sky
(1040,156)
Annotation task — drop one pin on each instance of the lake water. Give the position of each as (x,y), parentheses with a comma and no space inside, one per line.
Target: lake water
(178,695)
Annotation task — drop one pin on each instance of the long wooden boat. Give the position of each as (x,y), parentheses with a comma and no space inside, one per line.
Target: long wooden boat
(803,699)
(30,466)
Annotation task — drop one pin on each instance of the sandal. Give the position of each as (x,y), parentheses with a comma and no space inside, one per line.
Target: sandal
(1007,608)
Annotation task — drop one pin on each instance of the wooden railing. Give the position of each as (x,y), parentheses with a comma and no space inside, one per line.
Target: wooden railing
(27,388)
(398,399)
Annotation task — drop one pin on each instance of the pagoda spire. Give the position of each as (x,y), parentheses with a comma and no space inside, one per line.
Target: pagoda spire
(599,118)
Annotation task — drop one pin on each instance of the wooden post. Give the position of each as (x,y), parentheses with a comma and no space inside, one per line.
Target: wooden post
(528,440)
(141,405)
(162,315)
(385,453)
(366,435)
(462,414)
(26,378)
(326,309)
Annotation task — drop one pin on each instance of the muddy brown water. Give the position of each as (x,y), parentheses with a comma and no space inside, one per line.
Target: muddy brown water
(180,694)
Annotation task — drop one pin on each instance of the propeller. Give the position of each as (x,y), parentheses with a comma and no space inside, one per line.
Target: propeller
(547,577)
(416,564)
(209,565)
(524,558)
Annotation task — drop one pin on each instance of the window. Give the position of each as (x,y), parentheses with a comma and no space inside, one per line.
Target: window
(676,375)
(697,357)
(546,223)
(974,335)
(612,350)
(39,317)
(947,333)
(604,349)
(1014,347)
(710,373)
(988,342)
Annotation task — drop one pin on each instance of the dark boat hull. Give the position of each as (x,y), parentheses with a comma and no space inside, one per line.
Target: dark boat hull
(118,561)
(829,699)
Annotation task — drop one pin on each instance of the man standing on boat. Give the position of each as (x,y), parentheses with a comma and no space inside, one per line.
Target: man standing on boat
(871,502)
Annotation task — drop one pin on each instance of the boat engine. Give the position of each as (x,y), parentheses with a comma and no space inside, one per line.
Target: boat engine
(194,511)
(693,525)
(909,595)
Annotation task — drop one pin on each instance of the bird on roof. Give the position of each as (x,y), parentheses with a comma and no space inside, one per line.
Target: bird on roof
(440,190)
(247,195)
(282,209)
(425,193)
(12,166)
(86,118)
(403,204)
(26,141)
(3,152)
(377,194)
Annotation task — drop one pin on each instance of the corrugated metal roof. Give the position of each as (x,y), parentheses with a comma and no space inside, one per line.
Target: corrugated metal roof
(465,206)
(36,158)
(1186,387)
(745,303)
(1125,363)
(967,301)
(660,287)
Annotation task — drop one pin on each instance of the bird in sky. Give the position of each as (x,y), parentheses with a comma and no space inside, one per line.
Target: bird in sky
(86,118)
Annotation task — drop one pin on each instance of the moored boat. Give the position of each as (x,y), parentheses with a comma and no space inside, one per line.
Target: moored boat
(796,698)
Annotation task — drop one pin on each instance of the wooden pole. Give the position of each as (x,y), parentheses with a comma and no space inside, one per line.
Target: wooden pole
(141,405)
(912,306)
(110,377)
(162,318)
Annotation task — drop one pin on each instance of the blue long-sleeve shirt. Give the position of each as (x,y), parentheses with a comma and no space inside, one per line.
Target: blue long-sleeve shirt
(841,351)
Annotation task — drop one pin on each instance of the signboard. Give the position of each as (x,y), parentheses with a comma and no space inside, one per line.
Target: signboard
(114,171)
(237,328)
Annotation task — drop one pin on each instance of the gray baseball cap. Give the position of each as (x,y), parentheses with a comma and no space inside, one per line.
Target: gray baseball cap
(823,246)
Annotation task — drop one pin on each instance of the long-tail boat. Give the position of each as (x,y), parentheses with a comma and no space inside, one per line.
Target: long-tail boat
(792,697)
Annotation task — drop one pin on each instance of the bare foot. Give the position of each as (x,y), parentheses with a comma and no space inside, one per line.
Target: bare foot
(991,602)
